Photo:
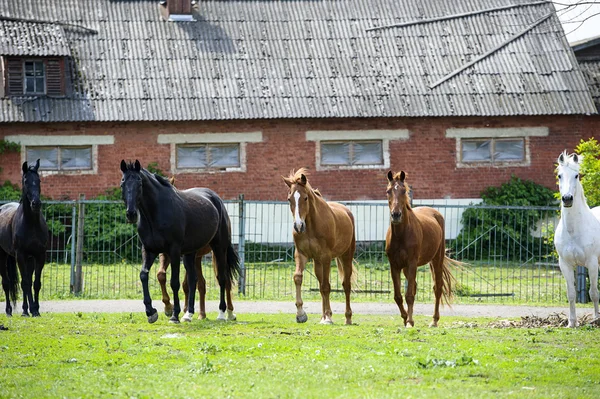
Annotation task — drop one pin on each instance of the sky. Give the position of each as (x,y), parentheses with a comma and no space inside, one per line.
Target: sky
(574,16)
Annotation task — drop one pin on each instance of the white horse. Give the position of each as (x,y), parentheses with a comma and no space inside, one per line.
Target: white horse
(577,236)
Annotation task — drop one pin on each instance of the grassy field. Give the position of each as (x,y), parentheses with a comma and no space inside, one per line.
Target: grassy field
(489,282)
(266,356)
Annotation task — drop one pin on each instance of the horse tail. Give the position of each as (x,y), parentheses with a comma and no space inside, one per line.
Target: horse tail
(354,277)
(13,278)
(233,264)
(448,279)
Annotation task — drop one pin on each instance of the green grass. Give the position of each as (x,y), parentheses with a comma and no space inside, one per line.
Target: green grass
(266,356)
(487,282)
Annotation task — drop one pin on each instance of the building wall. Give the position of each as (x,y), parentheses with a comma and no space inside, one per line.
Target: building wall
(428,156)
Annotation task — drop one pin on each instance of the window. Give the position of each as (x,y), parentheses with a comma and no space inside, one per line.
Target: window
(498,147)
(209,152)
(354,149)
(208,156)
(34,77)
(348,153)
(61,157)
(493,150)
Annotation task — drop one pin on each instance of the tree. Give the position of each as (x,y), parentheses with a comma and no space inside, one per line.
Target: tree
(590,170)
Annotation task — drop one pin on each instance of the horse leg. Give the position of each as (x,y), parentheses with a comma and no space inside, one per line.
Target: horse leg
(323,272)
(230,315)
(569,274)
(396,280)
(175,285)
(437,271)
(345,265)
(6,283)
(201,286)
(593,275)
(190,275)
(161,276)
(301,260)
(220,255)
(26,277)
(147,261)
(410,272)
(37,285)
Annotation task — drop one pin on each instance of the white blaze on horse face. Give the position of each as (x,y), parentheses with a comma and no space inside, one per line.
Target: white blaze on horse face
(297,220)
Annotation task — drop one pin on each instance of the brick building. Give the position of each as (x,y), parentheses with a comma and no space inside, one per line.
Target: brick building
(232,95)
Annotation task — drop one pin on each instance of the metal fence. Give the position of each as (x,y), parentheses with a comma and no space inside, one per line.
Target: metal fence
(508,253)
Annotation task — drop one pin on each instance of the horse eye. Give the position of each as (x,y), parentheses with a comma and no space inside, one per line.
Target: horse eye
(305,198)
(560,176)
(577,177)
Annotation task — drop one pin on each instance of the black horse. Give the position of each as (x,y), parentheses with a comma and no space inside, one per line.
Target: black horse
(23,236)
(177,223)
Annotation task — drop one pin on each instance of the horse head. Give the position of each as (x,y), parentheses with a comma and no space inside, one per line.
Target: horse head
(568,177)
(298,197)
(31,186)
(131,187)
(397,195)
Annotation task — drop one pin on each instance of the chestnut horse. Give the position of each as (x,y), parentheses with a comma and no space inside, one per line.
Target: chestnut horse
(322,231)
(161,276)
(416,237)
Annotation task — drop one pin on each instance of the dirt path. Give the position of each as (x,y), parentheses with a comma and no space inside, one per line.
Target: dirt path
(241,307)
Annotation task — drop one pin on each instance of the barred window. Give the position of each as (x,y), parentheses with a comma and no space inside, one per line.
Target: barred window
(61,157)
(493,150)
(208,156)
(349,153)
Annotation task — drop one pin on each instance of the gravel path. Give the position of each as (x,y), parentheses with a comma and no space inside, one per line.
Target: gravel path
(241,307)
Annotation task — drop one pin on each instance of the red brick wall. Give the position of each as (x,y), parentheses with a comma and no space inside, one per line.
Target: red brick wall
(428,158)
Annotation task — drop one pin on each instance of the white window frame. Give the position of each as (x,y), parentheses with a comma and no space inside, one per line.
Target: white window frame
(63,141)
(241,138)
(495,134)
(26,78)
(355,135)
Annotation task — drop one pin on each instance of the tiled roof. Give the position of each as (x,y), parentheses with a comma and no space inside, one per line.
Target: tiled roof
(307,59)
(32,39)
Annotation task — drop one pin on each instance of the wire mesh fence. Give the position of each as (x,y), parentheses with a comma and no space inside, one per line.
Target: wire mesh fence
(507,253)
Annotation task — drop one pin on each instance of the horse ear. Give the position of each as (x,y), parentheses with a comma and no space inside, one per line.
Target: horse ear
(390,175)
(402,176)
(123,166)
(561,158)
(37,165)
(575,158)
(303,179)
(287,181)
(138,167)
(25,168)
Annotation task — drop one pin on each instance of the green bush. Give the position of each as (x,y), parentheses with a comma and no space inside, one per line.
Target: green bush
(590,170)
(500,232)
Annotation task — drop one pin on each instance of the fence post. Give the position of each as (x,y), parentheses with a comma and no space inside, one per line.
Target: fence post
(242,245)
(73,243)
(79,253)
(582,294)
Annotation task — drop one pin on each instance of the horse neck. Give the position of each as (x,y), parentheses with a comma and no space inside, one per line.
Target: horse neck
(578,214)
(319,212)
(152,193)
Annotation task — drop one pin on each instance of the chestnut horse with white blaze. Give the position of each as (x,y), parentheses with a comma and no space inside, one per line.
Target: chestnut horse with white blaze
(322,231)
(416,237)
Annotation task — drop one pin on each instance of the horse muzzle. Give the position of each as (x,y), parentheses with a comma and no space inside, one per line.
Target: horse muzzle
(299,227)
(36,205)
(396,217)
(131,217)
(567,200)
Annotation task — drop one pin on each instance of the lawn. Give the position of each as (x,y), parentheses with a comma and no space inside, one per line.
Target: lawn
(265,356)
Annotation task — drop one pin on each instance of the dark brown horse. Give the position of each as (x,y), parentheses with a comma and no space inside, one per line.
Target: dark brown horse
(416,237)
(322,231)
(161,275)
(24,237)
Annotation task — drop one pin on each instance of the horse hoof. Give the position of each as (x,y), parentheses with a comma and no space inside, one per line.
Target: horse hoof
(303,318)
(433,324)
(187,317)
(168,313)
(202,316)
(153,317)
(174,320)
(25,314)
(326,321)
(36,314)
(221,316)
(231,316)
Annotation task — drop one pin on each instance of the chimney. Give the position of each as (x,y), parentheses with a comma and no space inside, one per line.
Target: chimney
(176,10)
